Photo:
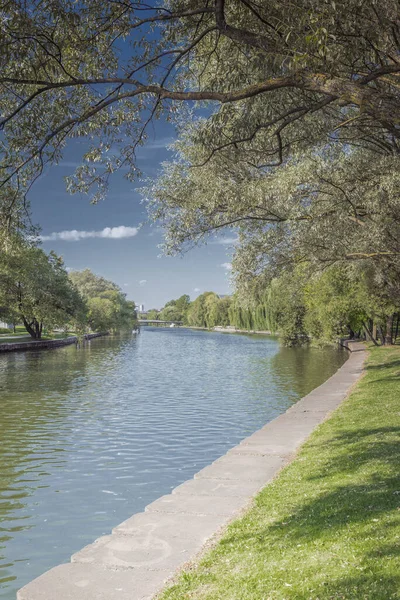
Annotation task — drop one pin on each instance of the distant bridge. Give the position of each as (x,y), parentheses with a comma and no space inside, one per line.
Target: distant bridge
(156,322)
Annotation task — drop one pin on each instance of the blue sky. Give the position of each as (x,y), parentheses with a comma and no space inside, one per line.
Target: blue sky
(131,259)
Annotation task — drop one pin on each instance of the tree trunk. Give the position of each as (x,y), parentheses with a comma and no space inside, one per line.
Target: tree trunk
(38,330)
(389,328)
(382,337)
(370,334)
(397,327)
(34,328)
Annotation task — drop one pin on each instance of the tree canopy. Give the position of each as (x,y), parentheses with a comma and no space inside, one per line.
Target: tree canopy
(107,307)
(278,77)
(35,290)
(288,121)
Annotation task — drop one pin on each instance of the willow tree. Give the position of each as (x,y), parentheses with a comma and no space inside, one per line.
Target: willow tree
(275,76)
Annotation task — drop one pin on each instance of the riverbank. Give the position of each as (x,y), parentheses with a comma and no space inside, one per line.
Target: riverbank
(46,344)
(229,330)
(144,551)
(328,527)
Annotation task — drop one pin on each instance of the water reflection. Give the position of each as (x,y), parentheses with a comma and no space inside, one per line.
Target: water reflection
(90,436)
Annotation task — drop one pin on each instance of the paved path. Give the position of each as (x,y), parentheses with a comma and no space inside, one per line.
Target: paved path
(141,554)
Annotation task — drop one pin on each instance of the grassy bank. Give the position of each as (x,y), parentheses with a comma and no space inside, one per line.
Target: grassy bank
(14,339)
(328,528)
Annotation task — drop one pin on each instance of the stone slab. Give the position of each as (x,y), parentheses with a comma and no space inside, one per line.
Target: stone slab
(259,450)
(217,488)
(193,505)
(321,404)
(167,526)
(286,437)
(156,551)
(87,582)
(243,468)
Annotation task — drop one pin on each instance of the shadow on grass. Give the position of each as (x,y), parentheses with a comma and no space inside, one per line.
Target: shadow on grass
(353,503)
(388,550)
(379,366)
(363,447)
(362,587)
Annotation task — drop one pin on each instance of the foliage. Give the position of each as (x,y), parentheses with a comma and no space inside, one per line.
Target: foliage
(199,313)
(153,314)
(170,313)
(335,305)
(35,289)
(322,307)
(280,77)
(108,308)
(175,310)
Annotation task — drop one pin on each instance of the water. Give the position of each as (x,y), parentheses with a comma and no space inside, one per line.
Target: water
(90,436)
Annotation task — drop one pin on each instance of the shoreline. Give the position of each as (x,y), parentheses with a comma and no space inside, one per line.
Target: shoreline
(220,329)
(46,344)
(146,551)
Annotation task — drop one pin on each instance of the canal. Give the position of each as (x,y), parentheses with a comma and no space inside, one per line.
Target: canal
(90,436)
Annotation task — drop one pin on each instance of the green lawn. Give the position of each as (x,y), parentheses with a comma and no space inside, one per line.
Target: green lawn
(20,337)
(328,528)
(13,339)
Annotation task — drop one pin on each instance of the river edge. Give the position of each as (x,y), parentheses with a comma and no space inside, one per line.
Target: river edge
(47,344)
(219,329)
(145,552)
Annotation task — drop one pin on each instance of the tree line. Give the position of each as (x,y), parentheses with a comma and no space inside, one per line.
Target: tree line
(297,307)
(37,291)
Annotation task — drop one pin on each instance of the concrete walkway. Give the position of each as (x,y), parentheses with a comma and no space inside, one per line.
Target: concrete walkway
(144,552)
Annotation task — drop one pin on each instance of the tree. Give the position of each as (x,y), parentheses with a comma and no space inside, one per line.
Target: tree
(108,308)
(170,313)
(280,77)
(34,287)
(182,304)
(175,310)
(153,314)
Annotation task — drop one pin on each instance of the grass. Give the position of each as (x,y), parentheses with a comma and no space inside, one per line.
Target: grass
(20,336)
(328,527)
(13,339)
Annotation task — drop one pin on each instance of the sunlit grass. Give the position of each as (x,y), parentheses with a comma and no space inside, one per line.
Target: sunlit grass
(329,526)
(23,336)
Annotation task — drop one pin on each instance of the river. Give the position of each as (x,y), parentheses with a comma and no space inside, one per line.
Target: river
(90,436)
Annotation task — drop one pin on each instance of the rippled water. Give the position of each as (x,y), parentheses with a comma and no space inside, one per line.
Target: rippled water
(90,436)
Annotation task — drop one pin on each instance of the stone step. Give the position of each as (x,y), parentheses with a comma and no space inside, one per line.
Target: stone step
(198,505)
(89,582)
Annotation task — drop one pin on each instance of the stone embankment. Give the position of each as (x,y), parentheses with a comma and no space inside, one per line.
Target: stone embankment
(46,344)
(144,552)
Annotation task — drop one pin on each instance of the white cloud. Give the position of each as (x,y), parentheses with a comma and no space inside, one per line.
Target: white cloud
(143,282)
(225,241)
(74,235)
(126,284)
(227,266)
(196,290)
(161,143)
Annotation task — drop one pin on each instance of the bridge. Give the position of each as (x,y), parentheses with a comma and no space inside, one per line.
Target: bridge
(157,322)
